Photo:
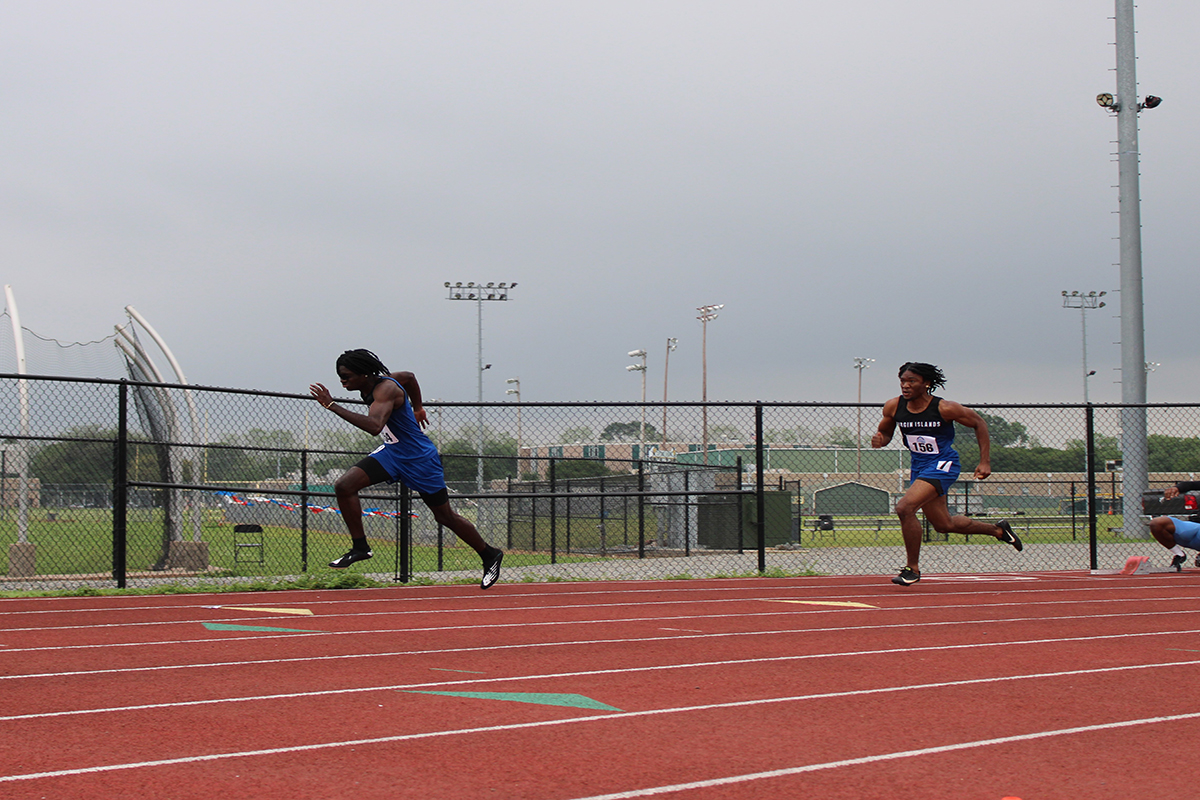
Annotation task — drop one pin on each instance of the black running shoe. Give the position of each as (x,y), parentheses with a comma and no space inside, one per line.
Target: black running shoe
(907,577)
(1177,562)
(491,568)
(1010,536)
(1198,559)
(350,558)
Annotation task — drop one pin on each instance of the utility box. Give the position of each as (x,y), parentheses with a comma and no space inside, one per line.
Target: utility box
(717,521)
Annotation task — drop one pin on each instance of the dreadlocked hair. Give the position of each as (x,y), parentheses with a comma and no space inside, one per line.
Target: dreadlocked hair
(933,375)
(362,362)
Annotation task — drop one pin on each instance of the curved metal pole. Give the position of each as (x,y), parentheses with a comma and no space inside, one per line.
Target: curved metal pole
(23,399)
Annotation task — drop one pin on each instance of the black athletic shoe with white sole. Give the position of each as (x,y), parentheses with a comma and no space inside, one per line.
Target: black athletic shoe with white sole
(1177,562)
(350,558)
(1010,536)
(907,577)
(491,568)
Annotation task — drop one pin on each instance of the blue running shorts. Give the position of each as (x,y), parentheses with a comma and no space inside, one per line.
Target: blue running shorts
(941,474)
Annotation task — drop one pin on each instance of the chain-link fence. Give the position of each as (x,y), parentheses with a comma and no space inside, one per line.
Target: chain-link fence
(123,483)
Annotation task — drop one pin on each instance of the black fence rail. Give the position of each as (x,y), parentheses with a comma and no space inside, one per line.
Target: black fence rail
(128,483)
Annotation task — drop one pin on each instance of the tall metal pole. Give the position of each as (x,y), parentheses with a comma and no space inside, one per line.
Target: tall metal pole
(1133,348)
(479,394)
(1084,301)
(22,449)
(478,292)
(707,314)
(860,364)
(671,342)
(517,392)
(642,369)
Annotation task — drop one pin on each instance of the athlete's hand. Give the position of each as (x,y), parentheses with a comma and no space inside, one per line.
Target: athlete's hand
(320,394)
(1170,491)
(983,470)
(878,440)
(421,417)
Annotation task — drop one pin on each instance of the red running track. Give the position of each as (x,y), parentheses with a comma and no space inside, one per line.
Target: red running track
(1018,685)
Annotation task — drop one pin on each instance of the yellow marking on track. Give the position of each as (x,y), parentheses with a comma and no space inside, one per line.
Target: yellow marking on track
(304,612)
(825,603)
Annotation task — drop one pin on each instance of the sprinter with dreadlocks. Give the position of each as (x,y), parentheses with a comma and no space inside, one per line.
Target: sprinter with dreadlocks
(395,413)
(926,425)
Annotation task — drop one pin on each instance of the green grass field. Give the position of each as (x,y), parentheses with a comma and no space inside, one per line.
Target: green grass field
(78,542)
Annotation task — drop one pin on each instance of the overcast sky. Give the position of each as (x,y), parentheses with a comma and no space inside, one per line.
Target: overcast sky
(270,183)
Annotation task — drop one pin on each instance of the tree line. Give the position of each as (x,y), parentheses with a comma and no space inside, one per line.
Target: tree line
(85,454)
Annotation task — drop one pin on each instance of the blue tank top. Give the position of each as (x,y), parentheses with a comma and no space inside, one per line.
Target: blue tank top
(402,431)
(926,435)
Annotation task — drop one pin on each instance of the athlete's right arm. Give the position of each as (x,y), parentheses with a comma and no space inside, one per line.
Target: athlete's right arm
(385,397)
(887,425)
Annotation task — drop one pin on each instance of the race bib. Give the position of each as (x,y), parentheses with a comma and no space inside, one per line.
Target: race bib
(923,445)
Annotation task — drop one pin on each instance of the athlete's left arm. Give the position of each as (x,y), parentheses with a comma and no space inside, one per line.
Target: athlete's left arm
(967,417)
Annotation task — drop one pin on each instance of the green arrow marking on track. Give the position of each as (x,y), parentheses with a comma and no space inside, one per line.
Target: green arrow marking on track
(217,626)
(539,698)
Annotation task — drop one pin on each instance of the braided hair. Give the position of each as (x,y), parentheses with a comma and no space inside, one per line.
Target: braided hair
(362,362)
(933,375)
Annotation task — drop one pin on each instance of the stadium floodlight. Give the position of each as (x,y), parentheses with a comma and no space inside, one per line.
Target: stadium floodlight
(860,364)
(517,392)
(707,315)
(671,343)
(1084,301)
(478,297)
(642,369)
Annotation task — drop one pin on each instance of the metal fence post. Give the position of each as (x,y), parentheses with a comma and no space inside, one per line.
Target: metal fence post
(304,510)
(760,493)
(404,548)
(738,500)
(553,515)
(120,485)
(1091,481)
(641,509)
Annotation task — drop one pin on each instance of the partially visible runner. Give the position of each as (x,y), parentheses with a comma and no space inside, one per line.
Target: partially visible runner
(1175,533)
(926,424)
(407,454)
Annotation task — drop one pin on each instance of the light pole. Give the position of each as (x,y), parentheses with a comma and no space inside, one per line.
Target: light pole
(642,369)
(479,292)
(1084,301)
(860,364)
(707,314)
(1125,107)
(671,342)
(517,392)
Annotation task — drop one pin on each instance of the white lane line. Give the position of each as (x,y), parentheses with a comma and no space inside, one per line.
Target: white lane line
(1145,583)
(803,657)
(492,681)
(1176,615)
(620,715)
(1174,599)
(853,762)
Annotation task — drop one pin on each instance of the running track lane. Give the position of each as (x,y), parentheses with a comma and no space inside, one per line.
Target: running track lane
(722,689)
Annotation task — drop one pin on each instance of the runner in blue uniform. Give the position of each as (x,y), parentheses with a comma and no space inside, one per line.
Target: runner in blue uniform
(926,426)
(1176,533)
(394,413)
